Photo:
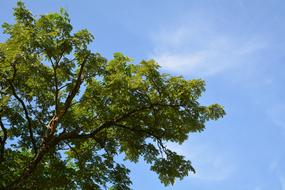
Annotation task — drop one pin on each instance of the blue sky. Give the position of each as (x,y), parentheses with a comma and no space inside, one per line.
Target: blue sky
(237,47)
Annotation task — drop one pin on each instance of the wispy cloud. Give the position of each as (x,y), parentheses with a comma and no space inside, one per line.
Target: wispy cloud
(179,51)
(276,167)
(207,160)
(276,114)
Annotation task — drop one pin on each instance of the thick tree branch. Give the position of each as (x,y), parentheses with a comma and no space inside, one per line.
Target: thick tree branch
(53,123)
(2,140)
(76,87)
(16,184)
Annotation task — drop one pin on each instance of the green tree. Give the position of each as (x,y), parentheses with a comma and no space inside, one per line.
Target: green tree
(67,113)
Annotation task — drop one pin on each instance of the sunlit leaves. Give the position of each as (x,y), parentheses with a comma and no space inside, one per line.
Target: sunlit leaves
(171,167)
(43,63)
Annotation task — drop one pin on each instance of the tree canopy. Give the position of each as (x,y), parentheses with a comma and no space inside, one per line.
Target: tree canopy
(67,113)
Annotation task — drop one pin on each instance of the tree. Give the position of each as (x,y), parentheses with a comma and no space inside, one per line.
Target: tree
(67,114)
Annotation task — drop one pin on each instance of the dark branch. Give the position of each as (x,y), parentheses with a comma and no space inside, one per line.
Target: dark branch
(2,140)
(55,67)
(137,130)
(25,109)
(115,121)
(16,184)
(53,123)
(158,139)
(65,85)
(76,87)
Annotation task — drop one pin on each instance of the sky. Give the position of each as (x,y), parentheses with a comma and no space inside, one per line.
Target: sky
(236,46)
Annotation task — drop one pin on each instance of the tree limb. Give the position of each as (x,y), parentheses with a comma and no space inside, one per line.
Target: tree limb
(75,89)
(55,67)
(53,123)
(25,109)
(56,86)
(161,146)
(2,140)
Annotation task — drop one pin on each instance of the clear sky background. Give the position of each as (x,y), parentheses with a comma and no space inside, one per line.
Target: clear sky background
(236,46)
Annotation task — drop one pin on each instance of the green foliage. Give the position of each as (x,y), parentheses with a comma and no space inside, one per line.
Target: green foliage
(67,113)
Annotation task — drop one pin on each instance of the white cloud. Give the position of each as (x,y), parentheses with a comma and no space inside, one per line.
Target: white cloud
(199,50)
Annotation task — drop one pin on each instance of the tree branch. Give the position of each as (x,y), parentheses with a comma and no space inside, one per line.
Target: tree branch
(56,86)
(137,130)
(161,146)
(63,86)
(31,167)
(75,135)
(75,89)
(53,123)
(55,66)
(115,121)
(2,140)
(25,109)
